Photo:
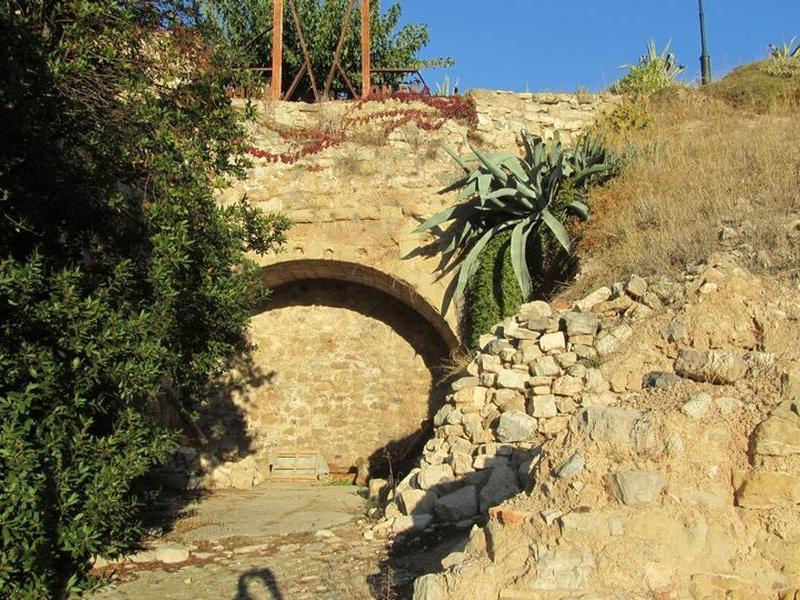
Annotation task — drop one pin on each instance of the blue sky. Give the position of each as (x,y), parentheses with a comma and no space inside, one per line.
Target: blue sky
(559,45)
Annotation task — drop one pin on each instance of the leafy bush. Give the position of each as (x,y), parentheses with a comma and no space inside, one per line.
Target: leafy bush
(246,25)
(652,73)
(119,273)
(629,115)
(529,199)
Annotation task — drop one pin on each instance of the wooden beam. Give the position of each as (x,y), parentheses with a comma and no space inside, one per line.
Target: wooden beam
(366,45)
(277,49)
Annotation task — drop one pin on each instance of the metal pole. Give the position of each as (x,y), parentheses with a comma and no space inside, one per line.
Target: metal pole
(366,45)
(705,59)
(277,50)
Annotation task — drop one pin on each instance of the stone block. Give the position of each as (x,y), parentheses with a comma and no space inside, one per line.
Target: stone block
(596,297)
(412,501)
(553,341)
(543,407)
(563,568)
(779,433)
(510,379)
(546,366)
(415,522)
(458,505)
(610,425)
(767,489)
(508,399)
(571,467)
(610,340)
(502,484)
(697,406)
(434,475)
(566,359)
(636,488)
(712,366)
(534,310)
(464,382)
(516,426)
(567,386)
(581,323)
(636,287)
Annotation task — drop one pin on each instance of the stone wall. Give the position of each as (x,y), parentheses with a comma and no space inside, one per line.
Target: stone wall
(353,375)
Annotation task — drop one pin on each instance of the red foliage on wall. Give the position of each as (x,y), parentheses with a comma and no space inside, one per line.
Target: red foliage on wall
(312,141)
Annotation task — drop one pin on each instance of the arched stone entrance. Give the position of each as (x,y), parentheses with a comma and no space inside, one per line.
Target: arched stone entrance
(352,359)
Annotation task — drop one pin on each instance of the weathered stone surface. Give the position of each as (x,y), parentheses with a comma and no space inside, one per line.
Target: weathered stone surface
(712,366)
(508,399)
(430,587)
(697,406)
(612,425)
(563,568)
(502,484)
(636,287)
(596,297)
(546,366)
(434,475)
(412,501)
(767,489)
(553,341)
(415,522)
(534,310)
(610,340)
(458,505)
(509,379)
(544,407)
(464,382)
(377,489)
(779,433)
(583,323)
(571,467)
(636,488)
(567,386)
(515,426)
(660,380)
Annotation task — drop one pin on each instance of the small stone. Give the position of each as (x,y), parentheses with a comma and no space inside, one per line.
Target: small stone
(660,380)
(712,366)
(323,533)
(534,310)
(508,399)
(413,501)
(567,386)
(515,426)
(727,405)
(553,341)
(697,406)
(544,407)
(596,297)
(435,475)
(416,522)
(458,505)
(708,288)
(546,366)
(636,488)
(543,324)
(464,382)
(566,359)
(594,382)
(369,535)
(636,287)
(767,489)
(550,515)
(571,467)
(610,340)
(509,379)
(585,323)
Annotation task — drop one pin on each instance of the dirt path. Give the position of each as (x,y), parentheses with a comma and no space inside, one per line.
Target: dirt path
(278,543)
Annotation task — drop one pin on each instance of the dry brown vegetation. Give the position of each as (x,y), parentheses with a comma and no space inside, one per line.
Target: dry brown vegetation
(703,174)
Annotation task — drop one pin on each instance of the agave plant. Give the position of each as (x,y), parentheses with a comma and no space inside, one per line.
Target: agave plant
(654,71)
(785,51)
(500,192)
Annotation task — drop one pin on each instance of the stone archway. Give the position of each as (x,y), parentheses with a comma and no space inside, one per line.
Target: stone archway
(354,361)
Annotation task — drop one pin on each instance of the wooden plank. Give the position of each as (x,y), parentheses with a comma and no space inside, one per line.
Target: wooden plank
(366,45)
(277,50)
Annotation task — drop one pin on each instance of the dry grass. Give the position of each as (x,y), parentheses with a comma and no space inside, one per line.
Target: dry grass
(700,165)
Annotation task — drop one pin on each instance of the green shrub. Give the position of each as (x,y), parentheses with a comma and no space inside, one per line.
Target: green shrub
(120,275)
(493,293)
(652,73)
(629,115)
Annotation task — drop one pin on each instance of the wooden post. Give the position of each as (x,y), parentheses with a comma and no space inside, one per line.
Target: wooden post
(366,83)
(277,49)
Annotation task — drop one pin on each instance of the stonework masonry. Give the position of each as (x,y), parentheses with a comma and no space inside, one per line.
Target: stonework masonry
(343,380)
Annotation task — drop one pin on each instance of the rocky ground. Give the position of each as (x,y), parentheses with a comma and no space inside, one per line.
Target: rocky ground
(277,542)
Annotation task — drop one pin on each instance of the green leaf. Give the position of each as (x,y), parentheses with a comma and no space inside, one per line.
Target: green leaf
(455,211)
(514,165)
(558,229)
(490,166)
(458,159)
(519,259)
(580,208)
